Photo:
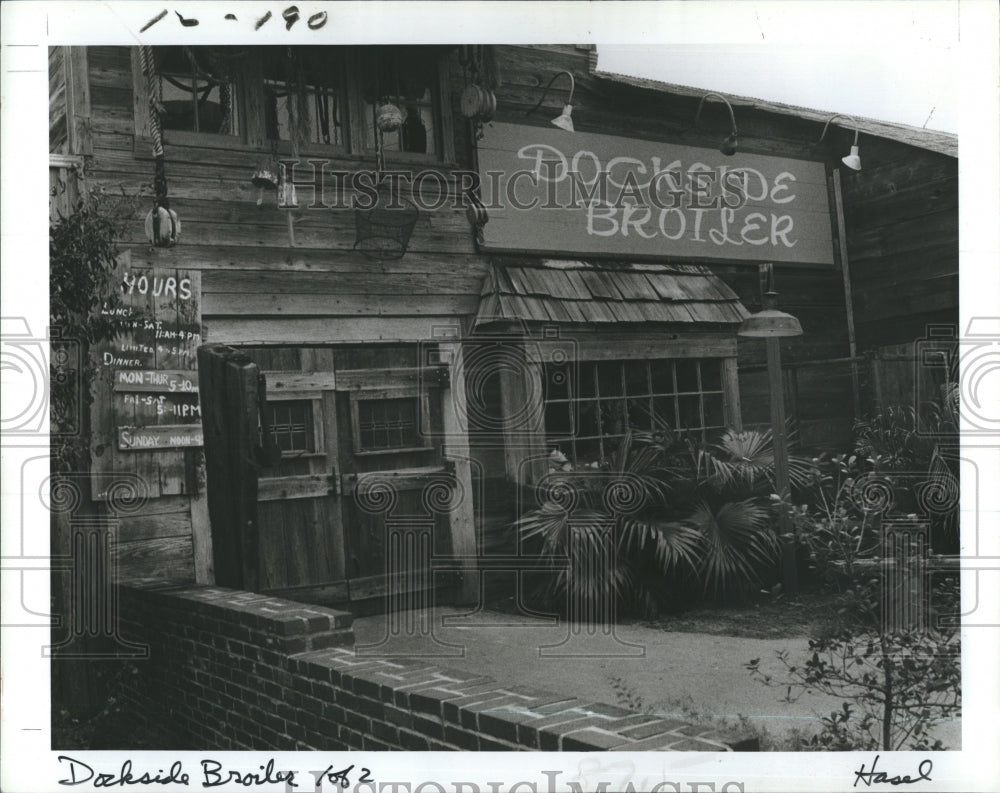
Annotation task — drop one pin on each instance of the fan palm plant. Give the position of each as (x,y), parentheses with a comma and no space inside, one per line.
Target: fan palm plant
(658,516)
(745,459)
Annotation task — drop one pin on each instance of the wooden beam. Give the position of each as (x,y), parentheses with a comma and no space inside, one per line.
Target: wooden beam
(78,115)
(455,417)
(838,200)
(201,527)
(731,387)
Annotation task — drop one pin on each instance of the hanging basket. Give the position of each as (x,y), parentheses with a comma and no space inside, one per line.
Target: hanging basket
(383,231)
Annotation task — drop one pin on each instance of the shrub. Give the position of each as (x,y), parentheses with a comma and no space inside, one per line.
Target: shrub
(681,520)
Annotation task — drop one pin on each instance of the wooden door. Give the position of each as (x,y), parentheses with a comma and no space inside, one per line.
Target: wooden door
(361,499)
(298,498)
(398,492)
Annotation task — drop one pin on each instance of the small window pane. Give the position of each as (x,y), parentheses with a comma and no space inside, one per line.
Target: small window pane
(586,385)
(636,378)
(292,425)
(639,417)
(557,381)
(690,411)
(687,375)
(609,378)
(557,419)
(588,450)
(711,375)
(714,413)
(663,411)
(588,420)
(388,424)
(662,376)
(614,417)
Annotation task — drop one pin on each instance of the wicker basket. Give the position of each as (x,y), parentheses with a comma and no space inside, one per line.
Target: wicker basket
(383,231)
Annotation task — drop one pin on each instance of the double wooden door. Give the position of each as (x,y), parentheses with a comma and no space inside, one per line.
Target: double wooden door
(360,502)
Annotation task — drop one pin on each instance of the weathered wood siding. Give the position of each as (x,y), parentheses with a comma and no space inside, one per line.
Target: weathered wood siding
(902,239)
(258,290)
(57,101)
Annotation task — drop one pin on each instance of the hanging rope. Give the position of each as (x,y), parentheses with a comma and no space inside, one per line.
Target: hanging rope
(160,201)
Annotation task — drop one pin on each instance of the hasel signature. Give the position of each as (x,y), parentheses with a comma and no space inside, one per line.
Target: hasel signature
(876,777)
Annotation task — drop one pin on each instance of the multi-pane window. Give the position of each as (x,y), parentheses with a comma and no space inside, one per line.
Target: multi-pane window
(292,425)
(589,406)
(406,78)
(303,95)
(198,92)
(389,423)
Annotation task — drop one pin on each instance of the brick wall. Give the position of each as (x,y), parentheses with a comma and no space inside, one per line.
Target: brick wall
(238,670)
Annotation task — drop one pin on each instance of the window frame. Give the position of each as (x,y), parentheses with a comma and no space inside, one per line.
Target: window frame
(176,137)
(315,399)
(372,394)
(253,134)
(572,402)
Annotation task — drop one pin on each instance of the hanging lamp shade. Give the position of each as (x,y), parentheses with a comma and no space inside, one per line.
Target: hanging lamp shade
(732,141)
(730,144)
(852,160)
(565,119)
(770,323)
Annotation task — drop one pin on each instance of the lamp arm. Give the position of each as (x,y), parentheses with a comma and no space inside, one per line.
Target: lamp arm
(572,88)
(834,118)
(729,107)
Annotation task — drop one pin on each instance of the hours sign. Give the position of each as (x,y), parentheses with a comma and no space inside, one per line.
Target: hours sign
(554,192)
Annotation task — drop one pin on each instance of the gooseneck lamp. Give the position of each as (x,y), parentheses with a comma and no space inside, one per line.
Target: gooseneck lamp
(852,160)
(732,141)
(565,119)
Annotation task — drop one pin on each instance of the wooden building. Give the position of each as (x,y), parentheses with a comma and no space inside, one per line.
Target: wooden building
(464,362)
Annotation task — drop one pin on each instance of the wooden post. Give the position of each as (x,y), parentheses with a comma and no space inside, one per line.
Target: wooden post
(78,126)
(845,270)
(524,442)
(456,449)
(731,385)
(775,382)
(229,403)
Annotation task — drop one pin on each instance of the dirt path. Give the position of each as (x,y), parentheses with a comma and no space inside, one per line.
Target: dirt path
(681,675)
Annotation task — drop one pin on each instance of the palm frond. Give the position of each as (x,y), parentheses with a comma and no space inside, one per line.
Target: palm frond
(746,459)
(737,541)
(673,543)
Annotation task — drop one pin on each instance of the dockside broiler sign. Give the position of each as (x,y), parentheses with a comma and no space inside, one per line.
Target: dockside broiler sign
(550,191)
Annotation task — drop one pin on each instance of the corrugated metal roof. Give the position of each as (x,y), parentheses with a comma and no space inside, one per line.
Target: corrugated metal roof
(932,140)
(541,290)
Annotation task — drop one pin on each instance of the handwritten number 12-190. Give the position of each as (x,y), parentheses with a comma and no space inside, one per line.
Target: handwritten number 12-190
(289,14)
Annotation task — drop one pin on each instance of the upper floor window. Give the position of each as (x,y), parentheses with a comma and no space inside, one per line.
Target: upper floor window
(287,97)
(406,77)
(198,89)
(304,96)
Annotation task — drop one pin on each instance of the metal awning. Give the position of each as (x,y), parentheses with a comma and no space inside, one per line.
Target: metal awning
(556,290)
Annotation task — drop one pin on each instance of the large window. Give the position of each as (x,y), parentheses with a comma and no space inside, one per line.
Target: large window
(304,92)
(405,77)
(266,97)
(199,93)
(589,406)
